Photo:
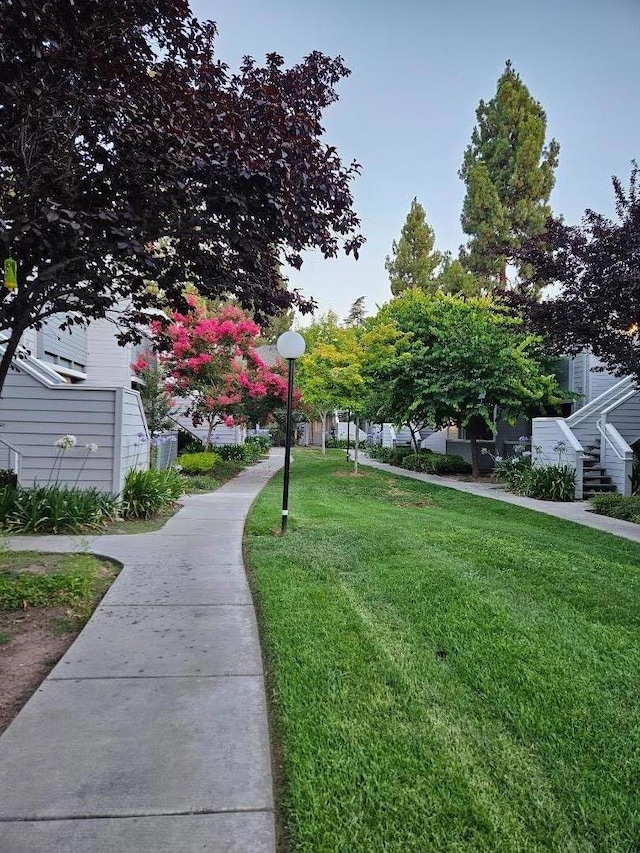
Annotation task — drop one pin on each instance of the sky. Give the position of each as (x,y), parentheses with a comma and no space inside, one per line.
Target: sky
(406,113)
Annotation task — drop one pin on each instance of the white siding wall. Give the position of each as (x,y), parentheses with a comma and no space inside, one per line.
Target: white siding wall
(619,470)
(626,419)
(462,447)
(36,415)
(436,441)
(341,432)
(578,378)
(29,341)
(388,435)
(586,380)
(547,433)
(67,348)
(601,381)
(108,364)
(134,439)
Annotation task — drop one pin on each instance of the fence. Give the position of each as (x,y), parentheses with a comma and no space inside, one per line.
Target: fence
(164,450)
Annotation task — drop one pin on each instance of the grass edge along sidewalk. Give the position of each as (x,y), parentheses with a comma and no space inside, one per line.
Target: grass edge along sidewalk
(448,672)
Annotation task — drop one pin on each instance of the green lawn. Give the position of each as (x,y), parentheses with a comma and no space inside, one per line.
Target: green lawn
(448,673)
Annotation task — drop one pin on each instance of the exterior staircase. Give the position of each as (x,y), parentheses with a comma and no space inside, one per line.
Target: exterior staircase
(595,480)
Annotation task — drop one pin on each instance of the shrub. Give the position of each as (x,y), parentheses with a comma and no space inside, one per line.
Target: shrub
(8,478)
(391,455)
(54,509)
(148,492)
(232,452)
(635,477)
(549,483)
(436,463)
(263,442)
(193,464)
(246,453)
(617,506)
(188,443)
(338,443)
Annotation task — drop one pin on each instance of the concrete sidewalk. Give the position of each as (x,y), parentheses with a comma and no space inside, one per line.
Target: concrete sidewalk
(151,733)
(577,511)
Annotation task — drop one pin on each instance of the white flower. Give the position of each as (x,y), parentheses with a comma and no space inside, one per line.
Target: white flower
(66,442)
(92,448)
(177,468)
(498,458)
(527,454)
(524,438)
(484,451)
(151,72)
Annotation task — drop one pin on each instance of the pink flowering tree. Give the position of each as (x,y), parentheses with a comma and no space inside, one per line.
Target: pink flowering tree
(211,358)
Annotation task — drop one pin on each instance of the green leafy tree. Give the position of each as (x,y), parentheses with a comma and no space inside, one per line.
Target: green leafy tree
(455,280)
(444,360)
(328,374)
(414,258)
(509,174)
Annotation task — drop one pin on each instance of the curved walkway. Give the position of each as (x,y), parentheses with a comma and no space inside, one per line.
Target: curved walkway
(577,511)
(151,733)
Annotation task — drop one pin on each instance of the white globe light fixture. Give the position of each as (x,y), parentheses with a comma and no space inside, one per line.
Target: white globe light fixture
(291,346)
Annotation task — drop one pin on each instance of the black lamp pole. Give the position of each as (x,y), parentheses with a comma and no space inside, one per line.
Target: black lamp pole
(348,424)
(287,451)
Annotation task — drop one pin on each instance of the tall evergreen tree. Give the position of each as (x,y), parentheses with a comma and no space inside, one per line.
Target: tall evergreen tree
(509,173)
(414,259)
(357,313)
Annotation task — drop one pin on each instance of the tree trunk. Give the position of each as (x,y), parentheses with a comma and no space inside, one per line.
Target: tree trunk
(355,455)
(415,437)
(475,457)
(207,441)
(323,429)
(11,347)
(503,276)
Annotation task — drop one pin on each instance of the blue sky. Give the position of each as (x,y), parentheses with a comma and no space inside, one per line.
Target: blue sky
(406,113)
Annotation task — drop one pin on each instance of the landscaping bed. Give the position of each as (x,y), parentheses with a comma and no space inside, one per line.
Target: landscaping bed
(45,600)
(446,672)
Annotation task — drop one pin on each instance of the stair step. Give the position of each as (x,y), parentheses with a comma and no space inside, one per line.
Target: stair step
(597,488)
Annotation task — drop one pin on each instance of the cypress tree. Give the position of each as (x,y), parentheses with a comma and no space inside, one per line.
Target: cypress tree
(509,173)
(414,260)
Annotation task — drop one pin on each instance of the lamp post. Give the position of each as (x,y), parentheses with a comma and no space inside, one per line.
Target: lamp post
(291,346)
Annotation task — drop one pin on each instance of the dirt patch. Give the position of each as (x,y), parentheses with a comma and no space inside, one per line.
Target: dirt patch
(33,642)
(350,474)
(395,492)
(417,504)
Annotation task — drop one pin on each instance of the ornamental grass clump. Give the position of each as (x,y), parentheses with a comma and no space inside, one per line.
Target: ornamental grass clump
(546,482)
(513,470)
(54,509)
(149,492)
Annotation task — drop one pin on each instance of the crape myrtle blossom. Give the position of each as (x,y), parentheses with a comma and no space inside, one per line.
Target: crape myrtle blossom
(210,357)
